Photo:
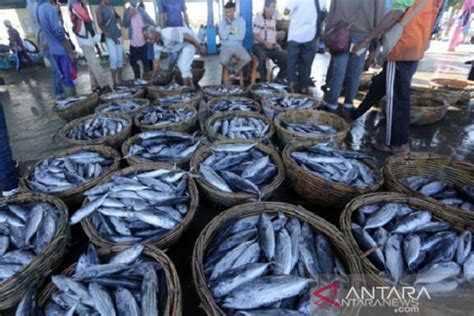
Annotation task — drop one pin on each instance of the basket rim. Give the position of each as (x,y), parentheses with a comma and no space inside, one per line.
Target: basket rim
(266,104)
(212,101)
(145,128)
(145,102)
(139,91)
(90,97)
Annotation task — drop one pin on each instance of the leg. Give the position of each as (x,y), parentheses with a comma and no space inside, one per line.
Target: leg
(57,77)
(97,73)
(293,59)
(185,62)
(354,70)
(8,171)
(225,56)
(260,52)
(144,57)
(150,55)
(244,58)
(338,73)
(471,73)
(113,58)
(280,57)
(119,50)
(134,57)
(305,65)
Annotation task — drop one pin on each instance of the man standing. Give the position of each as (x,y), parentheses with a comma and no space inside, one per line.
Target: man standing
(16,44)
(402,62)
(301,42)
(178,40)
(233,55)
(265,35)
(173,13)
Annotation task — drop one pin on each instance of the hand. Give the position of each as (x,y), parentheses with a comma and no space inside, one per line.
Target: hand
(360,46)
(268,45)
(278,47)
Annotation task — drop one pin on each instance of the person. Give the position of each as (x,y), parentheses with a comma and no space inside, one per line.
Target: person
(109,22)
(8,170)
(301,42)
(173,13)
(16,44)
(265,44)
(233,55)
(84,31)
(346,68)
(62,56)
(463,23)
(470,76)
(135,18)
(399,68)
(179,40)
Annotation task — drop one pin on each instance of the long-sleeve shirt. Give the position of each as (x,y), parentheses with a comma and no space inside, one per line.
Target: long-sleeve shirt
(50,23)
(232,33)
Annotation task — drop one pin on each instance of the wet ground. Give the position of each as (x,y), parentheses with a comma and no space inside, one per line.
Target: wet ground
(27,101)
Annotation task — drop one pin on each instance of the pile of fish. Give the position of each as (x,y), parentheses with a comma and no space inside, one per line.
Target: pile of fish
(63,173)
(234,104)
(222,91)
(290,102)
(336,165)
(137,207)
(238,168)
(122,106)
(129,283)
(97,127)
(175,99)
(311,128)
(241,127)
(411,247)
(25,230)
(173,86)
(66,103)
(268,88)
(264,265)
(162,116)
(461,196)
(164,146)
(121,93)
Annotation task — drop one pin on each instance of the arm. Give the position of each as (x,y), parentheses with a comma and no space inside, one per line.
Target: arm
(79,10)
(223,30)
(58,32)
(189,38)
(127,17)
(241,29)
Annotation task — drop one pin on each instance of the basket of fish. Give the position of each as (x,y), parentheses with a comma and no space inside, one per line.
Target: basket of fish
(406,241)
(234,172)
(215,91)
(424,111)
(33,239)
(155,92)
(259,90)
(309,125)
(127,106)
(149,204)
(239,125)
(72,108)
(326,176)
(163,77)
(453,90)
(228,104)
(66,174)
(441,180)
(274,104)
(178,118)
(108,129)
(192,98)
(134,281)
(262,259)
(161,146)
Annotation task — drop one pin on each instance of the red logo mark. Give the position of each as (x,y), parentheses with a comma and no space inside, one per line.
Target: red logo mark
(324,298)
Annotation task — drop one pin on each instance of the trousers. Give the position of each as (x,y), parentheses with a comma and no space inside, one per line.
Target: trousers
(300,60)
(137,54)
(280,57)
(8,171)
(95,69)
(237,51)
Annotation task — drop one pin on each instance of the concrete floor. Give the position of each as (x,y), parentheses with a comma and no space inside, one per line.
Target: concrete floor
(27,101)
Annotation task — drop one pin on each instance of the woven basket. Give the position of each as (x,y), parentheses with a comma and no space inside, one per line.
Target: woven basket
(154,92)
(272,110)
(321,191)
(258,95)
(442,168)
(340,246)
(74,196)
(453,90)
(425,111)
(186,126)
(210,103)
(174,297)
(228,115)
(114,141)
(161,242)
(309,116)
(143,103)
(194,101)
(231,198)
(13,289)
(198,73)
(209,95)
(139,93)
(79,108)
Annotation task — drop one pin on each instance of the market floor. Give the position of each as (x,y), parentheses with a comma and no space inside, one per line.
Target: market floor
(27,101)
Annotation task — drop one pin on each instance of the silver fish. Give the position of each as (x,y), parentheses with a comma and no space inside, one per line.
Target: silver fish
(234,104)
(438,272)
(97,127)
(163,116)
(394,257)
(241,127)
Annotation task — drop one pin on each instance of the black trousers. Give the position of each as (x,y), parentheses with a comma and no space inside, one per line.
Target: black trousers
(471,73)
(300,60)
(280,57)
(395,82)
(136,54)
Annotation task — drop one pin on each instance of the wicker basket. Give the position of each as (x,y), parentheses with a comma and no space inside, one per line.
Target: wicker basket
(195,101)
(198,73)
(427,110)
(143,103)
(154,92)
(79,108)
(321,191)
(114,141)
(187,126)
(137,94)
(442,168)
(209,95)
(309,116)
(272,110)
(210,103)
(13,289)
(73,197)
(161,242)
(258,95)
(228,115)
(341,247)
(453,90)
(231,198)
(174,297)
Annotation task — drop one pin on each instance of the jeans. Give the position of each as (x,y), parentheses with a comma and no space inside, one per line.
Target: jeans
(115,53)
(8,171)
(280,57)
(300,60)
(57,76)
(136,54)
(67,69)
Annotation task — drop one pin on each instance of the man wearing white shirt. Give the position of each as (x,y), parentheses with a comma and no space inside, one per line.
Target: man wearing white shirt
(301,37)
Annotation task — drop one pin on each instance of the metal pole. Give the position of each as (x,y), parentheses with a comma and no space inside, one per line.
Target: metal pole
(245,7)
(211,30)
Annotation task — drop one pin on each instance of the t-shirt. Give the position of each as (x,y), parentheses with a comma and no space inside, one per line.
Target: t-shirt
(173,10)
(137,39)
(173,40)
(402,5)
(303,20)
(265,28)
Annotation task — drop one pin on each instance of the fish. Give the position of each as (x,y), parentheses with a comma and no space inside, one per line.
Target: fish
(221,91)
(384,215)
(122,106)
(290,102)
(283,253)
(69,102)
(368,244)
(267,236)
(172,86)
(438,272)
(123,93)
(394,257)
(325,254)
(157,116)
(27,305)
(464,247)
(269,88)
(97,127)
(410,222)
(234,104)
(411,250)
(310,128)
(175,99)
(241,127)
